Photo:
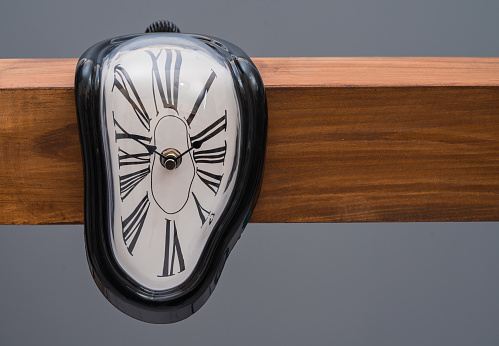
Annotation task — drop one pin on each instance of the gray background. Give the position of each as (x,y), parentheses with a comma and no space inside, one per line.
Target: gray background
(295,284)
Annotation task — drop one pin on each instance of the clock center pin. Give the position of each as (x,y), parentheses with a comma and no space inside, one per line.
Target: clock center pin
(170,159)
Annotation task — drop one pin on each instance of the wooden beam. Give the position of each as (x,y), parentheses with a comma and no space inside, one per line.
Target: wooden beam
(350,140)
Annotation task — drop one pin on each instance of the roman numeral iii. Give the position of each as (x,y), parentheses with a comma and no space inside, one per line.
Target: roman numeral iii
(172,246)
(132,225)
(216,155)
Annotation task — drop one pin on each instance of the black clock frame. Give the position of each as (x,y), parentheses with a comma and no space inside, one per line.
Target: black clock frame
(178,303)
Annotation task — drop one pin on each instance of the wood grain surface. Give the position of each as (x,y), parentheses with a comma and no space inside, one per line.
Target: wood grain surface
(350,140)
(293,72)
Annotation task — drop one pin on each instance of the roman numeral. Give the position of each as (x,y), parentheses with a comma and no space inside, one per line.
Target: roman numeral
(211,180)
(211,131)
(168,92)
(132,225)
(201,96)
(124,84)
(203,213)
(216,155)
(120,133)
(126,159)
(176,251)
(129,181)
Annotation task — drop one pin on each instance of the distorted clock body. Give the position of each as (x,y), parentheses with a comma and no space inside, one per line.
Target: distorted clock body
(173,130)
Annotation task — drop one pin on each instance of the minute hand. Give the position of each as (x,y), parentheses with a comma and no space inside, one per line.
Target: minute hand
(195,145)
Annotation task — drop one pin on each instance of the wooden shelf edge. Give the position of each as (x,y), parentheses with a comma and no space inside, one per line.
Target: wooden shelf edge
(350,140)
(295,72)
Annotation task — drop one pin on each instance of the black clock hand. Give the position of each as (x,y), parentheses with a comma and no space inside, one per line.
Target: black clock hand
(195,145)
(150,148)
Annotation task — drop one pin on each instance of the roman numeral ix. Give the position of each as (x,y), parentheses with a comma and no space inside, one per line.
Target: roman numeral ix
(126,159)
(132,225)
(121,133)
(172,246)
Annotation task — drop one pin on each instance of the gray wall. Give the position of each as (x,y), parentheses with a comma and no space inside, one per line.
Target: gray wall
(345,284)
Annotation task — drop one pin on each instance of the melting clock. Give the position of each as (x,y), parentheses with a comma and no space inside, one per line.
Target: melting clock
(173,130)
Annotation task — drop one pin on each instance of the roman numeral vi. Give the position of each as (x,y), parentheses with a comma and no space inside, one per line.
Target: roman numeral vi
(216,155)
(172,245)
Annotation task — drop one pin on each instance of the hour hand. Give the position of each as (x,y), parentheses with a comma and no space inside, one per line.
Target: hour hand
(150,148)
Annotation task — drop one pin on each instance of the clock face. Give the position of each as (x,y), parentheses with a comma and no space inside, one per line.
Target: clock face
(172,121)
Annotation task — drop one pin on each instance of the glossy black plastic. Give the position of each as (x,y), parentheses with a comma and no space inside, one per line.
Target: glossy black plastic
(123,292)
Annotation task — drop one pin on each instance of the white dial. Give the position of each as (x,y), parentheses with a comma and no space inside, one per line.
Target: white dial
(165,207)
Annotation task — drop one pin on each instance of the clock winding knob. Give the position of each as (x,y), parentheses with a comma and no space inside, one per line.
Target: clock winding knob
(163,26)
